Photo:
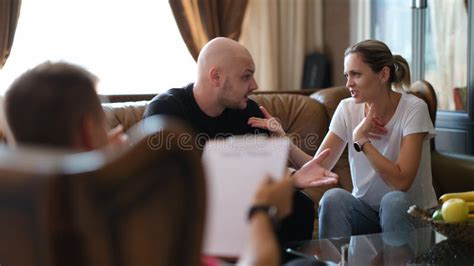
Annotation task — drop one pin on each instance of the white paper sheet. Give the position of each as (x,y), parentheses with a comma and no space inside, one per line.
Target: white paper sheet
(234,168)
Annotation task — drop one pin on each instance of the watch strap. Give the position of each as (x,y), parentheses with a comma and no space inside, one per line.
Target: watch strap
(270,210)
(359,144)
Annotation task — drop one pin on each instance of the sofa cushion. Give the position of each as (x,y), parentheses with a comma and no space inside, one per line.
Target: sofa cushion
(125,113)
(304,120)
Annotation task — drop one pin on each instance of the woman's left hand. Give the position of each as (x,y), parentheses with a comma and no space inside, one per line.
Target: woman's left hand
(269,123)
(370,127)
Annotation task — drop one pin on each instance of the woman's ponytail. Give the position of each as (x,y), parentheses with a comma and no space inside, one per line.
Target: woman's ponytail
(401,78)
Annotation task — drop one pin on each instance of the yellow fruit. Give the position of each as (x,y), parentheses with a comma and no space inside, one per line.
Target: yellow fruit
(454,211)
(470,206)
(466,196)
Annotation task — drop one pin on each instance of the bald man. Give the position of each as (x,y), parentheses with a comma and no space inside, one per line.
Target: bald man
(218,105)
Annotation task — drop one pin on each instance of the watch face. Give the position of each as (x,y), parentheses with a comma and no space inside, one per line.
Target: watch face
(273,212)
(357,147)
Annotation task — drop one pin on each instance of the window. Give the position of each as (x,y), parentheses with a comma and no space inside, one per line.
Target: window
(444,38)
(133,47)
(389,21)
(392,24)
(446,54)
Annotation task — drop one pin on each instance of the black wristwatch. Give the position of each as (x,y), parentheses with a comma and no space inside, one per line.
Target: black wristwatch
(359,144)
(270,210)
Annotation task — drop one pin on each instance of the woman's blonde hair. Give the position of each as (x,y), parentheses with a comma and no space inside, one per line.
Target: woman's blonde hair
(377,55)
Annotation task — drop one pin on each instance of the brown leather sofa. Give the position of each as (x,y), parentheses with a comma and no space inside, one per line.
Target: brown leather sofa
(305,115)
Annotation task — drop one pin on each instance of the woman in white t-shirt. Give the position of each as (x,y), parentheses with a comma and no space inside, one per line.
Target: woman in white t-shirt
(388,133)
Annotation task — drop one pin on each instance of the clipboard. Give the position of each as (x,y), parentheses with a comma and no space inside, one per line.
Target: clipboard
(234,168)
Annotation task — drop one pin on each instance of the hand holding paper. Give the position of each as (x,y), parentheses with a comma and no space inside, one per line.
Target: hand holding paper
(276,193)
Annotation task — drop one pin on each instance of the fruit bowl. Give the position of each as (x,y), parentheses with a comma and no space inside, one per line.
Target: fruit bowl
(454,231)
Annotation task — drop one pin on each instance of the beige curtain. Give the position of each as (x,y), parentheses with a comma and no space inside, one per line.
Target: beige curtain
(359,20)
(202,20)
(279,34)
(9,12)
(449,24)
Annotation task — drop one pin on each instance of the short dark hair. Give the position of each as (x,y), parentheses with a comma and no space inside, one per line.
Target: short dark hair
(45,105)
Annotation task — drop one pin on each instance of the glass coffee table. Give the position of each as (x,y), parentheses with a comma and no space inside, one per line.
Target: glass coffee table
(422,246)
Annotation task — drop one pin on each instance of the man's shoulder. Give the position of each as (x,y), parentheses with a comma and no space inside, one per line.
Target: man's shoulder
(172,94)
(169,102)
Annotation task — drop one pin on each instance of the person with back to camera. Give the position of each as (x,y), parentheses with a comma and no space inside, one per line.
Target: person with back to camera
(55,104)
(388,133)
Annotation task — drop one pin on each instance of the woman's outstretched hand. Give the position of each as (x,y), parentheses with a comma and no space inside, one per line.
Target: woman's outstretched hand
(312,174)
(269,123)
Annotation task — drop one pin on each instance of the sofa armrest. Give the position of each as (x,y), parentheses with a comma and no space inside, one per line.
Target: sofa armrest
(452,172)
(330,98)
(126,114)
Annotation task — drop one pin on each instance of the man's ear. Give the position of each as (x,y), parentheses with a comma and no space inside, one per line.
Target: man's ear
(214,76)
(85,139)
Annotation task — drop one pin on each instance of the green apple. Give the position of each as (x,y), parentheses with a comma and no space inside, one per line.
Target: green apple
(455,211)
(437,216)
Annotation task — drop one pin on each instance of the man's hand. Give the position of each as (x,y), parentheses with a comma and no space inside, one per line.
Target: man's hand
(311,174)
(278,194)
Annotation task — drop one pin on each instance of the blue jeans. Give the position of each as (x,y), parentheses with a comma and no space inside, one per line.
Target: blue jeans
(342,215)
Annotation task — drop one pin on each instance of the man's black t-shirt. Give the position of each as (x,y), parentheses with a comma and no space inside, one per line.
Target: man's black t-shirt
(180,102)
